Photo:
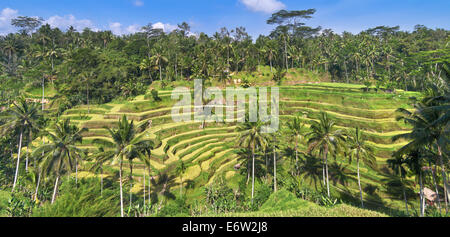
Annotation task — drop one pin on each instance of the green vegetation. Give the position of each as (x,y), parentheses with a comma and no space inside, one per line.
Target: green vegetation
(363,123)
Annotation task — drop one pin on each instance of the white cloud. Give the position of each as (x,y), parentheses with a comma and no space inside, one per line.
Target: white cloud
(118,29)
(266,6)
(164,27)
(69,20)
(6,15)
(138,3)
(64,22)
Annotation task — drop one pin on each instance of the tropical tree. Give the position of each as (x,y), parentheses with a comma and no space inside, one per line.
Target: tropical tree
(158,58)
(296,128)
(427,132)
(360,151)
(23,118)
(251,137)
(61,154)
(325,138)
(180,170)
(128,144)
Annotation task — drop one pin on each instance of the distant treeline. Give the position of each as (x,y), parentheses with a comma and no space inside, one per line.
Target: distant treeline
(105,65)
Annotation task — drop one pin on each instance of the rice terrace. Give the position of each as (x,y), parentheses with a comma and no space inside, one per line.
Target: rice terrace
(152,123)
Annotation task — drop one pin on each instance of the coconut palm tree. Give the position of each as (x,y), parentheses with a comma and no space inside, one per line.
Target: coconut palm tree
(296,128)
(128,144)
(325,138)
(360,151)
(61,152)
(427,132)
(250,136)
(180,170)
(158,58)
(24,118)
(86,77)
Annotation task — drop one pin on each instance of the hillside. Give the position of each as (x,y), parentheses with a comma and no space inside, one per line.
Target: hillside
(210,152)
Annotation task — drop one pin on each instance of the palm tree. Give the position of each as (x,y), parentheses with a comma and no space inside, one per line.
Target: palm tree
(275,146)
(147,64)
(325,138)
(270,50)
(361,151)
(61,153)
(180,170)
(22,117)
(127,145)
(87,76)
(296,128)
(158,59)
(251,137)
(427,132)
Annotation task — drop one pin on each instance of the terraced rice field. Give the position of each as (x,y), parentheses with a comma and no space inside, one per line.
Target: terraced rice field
(211,151)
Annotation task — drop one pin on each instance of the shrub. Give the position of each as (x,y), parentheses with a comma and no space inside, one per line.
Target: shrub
(177,208)
(262,193)
(82,201)
(155,95)
(219,197)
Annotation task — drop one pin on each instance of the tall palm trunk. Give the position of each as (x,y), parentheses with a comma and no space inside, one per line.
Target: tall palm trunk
(359,182)
(26,157)
(422,199)
(326,170)
(121,190)
(131,182)
(323,174)
(274,170)
(270,61)
(18,161)
(55,189)
(328,182)
(346,73)
(253,172)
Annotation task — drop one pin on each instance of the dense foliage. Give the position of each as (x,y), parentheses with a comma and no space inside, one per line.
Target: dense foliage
(100,66)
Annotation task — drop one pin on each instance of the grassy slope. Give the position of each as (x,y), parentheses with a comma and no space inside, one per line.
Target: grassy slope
(4,198)
(285,204)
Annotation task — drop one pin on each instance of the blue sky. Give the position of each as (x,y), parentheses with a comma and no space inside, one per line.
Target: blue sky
(126,16)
